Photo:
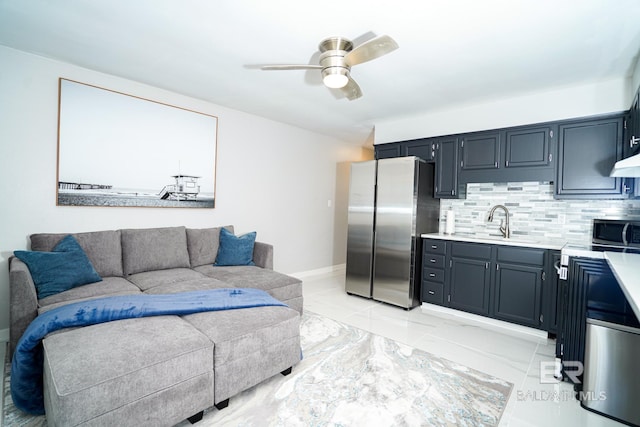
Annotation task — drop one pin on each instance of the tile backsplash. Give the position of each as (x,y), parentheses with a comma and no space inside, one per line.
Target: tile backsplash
(534,212)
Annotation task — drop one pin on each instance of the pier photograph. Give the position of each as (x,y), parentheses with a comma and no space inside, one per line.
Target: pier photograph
(120,150)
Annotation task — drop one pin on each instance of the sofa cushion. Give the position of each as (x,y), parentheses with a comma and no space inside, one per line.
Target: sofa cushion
(108,287)
(187,285)
(278,285)
(154,249)
(66,267)
(235,250)
(151,279)
(102,247)
(98,369)
(203,244)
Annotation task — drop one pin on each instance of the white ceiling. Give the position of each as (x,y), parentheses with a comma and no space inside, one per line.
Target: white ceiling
(451,51)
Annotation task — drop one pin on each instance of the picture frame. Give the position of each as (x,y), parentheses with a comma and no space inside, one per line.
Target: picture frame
(119,150)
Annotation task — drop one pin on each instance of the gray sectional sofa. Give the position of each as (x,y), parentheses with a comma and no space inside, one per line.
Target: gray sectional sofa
(158,370)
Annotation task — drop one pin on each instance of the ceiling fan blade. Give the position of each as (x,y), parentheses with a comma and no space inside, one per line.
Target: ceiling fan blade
(371,49)
(291,67)
(351,91)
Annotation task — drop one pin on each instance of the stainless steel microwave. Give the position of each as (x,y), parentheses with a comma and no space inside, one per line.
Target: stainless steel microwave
(618,232)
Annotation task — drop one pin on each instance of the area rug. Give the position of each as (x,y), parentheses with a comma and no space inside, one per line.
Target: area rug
(350,377)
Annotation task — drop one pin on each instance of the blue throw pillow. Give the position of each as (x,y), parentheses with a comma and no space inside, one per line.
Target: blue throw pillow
(66,267)
(235,250)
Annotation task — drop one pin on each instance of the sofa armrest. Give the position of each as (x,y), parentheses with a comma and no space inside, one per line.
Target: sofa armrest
(263,255)
(23,300)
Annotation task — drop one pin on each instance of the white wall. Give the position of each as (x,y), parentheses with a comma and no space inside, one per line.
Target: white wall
(271,177)
(563,103)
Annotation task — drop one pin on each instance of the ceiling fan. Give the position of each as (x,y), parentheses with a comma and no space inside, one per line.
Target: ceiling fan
(337,56)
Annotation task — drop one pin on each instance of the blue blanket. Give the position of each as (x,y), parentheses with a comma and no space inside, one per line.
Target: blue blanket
(26,367)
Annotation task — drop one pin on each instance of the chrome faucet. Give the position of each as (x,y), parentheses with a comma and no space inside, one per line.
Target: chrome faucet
(504,229)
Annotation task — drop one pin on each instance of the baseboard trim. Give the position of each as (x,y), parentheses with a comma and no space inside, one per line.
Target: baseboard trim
(325,270)
(4,335)
(497,325)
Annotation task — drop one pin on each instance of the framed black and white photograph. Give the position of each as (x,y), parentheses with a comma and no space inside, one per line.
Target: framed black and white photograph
(116,149)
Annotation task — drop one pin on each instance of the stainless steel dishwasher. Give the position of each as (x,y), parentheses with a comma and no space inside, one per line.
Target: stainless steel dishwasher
(611,383)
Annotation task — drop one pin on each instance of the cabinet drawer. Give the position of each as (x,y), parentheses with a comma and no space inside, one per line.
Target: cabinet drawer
(433,274)
(433,261)
(516,255)
(435,246)
(433,292)
(471,250)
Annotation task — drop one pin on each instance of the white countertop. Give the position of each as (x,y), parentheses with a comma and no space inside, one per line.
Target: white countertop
(626,268)
(513,241)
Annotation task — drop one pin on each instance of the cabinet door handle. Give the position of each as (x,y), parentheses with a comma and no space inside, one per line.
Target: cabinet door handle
(434,246)
(486,265)
(432,260)
(432,275)
(431,293)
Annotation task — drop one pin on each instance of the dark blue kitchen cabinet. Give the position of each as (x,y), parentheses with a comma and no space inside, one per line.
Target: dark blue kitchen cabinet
(446,153)
(423,148)
(523,153)
(387,151)
(587,150)
(631,143)
(480,151)
(433,271)
(499,281)
(519,274)
(470,277)
(529,153)
(591,291)
(551,295)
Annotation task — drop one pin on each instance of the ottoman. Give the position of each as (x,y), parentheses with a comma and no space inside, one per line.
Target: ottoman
(146,371)
(250,346)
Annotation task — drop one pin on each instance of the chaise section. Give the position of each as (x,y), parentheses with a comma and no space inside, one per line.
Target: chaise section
(148,371)
(250,345)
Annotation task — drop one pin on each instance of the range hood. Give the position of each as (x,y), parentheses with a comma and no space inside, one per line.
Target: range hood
(629,167)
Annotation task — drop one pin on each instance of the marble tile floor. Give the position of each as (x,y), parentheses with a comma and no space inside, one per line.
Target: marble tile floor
(496,348)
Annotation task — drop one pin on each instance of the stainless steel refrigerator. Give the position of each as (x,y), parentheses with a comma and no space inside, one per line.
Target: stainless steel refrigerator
(391,204)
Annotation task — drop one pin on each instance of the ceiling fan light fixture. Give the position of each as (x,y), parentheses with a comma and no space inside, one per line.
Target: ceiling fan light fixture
(335,77)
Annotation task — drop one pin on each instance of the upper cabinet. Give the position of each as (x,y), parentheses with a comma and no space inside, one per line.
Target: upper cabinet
(631,143)
(587,150)
(577,155)
(528,147)
(480,151)
(507,155)
(446,180)
(423,148)
(387,151)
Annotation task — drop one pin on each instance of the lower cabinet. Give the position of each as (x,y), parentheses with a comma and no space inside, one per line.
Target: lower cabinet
(470,277)
(498,281)
(517,294)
